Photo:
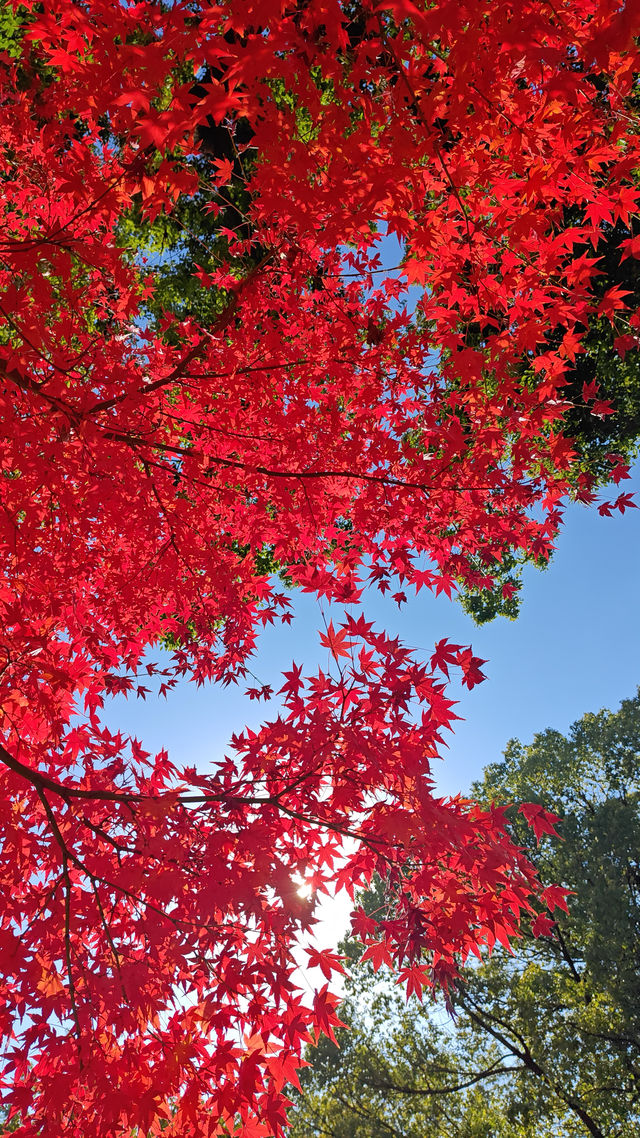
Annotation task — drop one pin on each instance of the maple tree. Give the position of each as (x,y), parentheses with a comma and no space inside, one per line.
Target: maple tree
(161,457)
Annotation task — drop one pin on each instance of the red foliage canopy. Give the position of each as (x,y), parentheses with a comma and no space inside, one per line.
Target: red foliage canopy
(151,912)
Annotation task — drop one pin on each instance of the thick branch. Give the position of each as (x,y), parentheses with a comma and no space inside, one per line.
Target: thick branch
(481,1018)
(489,1073)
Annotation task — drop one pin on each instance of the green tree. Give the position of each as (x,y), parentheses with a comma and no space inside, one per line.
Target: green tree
(544,1043)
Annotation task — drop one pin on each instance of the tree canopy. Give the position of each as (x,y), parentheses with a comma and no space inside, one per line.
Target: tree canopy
(184,414)
(545,1041)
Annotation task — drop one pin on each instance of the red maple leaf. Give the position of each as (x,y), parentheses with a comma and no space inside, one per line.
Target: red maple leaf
(338,642)
(555,897)
(541,821)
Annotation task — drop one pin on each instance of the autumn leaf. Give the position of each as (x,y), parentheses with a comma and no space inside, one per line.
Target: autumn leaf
(337,642)
(541,821)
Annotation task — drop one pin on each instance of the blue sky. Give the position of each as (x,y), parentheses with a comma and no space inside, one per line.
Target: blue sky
(573,649)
